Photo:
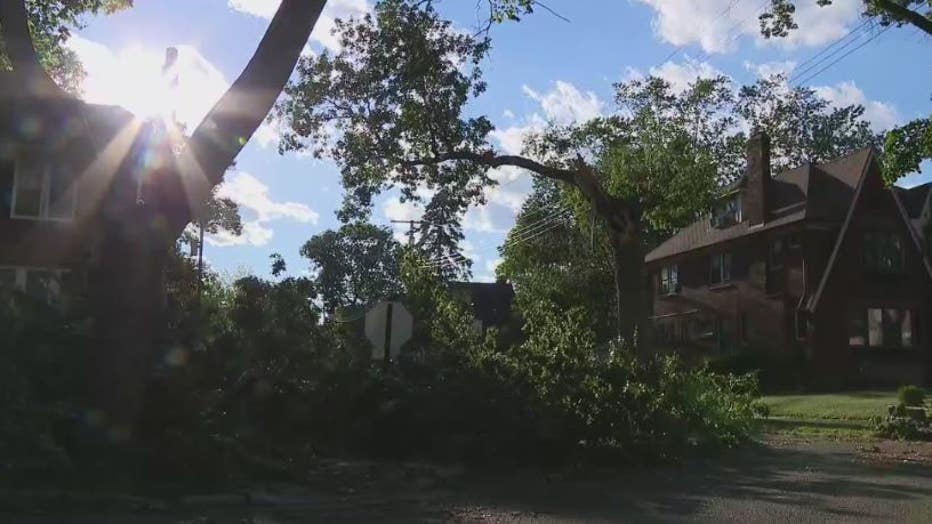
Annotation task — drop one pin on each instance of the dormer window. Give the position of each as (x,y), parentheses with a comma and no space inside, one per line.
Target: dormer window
(42,190)
(727,212)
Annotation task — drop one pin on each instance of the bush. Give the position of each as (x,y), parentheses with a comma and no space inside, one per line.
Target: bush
(911,395)
(904,422)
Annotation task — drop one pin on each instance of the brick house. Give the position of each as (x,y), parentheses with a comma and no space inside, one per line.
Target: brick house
(821,264)
(52,185)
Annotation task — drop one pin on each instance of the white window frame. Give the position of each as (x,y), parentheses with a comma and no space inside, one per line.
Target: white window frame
(671,284)
(721,256)
(45,190)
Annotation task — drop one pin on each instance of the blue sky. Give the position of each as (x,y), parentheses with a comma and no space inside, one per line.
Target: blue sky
(542,69)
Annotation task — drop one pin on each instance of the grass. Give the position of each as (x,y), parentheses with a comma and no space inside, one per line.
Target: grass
(837,416)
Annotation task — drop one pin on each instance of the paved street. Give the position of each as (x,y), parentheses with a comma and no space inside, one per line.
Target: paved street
(781,482)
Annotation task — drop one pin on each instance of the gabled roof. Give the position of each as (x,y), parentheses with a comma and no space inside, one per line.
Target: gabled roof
(813,302)
(821,192)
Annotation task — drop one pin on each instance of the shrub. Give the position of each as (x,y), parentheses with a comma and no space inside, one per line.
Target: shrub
(905,423)
(911,396)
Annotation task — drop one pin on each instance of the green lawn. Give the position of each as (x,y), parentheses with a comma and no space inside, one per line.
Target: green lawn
(830,415)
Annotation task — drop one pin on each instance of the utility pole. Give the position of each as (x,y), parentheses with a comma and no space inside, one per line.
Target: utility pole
(411,224)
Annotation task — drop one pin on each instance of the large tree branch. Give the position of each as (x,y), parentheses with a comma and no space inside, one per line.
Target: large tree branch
(232,121)
(903,14)
(21,52)
(492,160)
(622,215)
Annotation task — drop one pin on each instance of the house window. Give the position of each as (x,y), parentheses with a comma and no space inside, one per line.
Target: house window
(793,242)
(720,268)
(727,212)
(42,190)
(800,324)
(775,257)
(883,252)
(857,326)
(41,284)
(882,328)
(669,280)
(7,278)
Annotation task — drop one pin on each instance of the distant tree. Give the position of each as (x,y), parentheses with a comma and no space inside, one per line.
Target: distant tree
(217,215)
(552,262)
(779,20)
(353,265)
(803,126)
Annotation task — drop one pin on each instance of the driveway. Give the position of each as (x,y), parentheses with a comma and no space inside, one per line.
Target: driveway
(788,481)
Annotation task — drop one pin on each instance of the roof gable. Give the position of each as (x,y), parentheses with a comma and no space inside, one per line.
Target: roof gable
(807,192)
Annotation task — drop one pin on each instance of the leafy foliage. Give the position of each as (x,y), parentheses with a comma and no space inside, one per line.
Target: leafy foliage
(911,395)
(905,148)
(779,20)
(354,265)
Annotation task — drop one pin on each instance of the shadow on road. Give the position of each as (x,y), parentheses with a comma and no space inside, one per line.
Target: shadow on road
(763,482)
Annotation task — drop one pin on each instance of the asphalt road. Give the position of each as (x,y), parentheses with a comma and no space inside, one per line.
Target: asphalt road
(778,482)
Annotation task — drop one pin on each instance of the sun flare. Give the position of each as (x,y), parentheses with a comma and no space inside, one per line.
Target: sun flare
(135,77)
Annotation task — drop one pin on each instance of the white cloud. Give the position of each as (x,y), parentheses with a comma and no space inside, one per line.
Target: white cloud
(680,75)
(881,115)
(132,78)
(259,210)
(716,25)
(565,104)
(509,114)
(768,69)
(334,9)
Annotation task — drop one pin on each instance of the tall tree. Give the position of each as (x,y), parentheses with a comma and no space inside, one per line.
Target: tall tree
(354,265)
(217,215)
(138,234)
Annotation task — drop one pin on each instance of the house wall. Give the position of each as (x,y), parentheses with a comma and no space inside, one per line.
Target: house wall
(851,285)
(754,310)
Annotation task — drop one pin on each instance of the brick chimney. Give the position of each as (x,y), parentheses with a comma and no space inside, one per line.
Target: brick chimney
(757,179)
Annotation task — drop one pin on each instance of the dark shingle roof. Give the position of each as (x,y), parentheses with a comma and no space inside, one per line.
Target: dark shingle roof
(811,191)
(491,301)
(914,198)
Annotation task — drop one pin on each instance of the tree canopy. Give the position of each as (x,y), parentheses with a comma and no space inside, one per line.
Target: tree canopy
(354,265)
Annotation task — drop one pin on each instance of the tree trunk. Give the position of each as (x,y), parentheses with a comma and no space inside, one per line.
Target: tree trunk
(200,261)
(630,289)
(126,291)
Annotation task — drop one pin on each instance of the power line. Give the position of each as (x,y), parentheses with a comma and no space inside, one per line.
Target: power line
(842,57)
(801,72)
(832,44)
(518,230)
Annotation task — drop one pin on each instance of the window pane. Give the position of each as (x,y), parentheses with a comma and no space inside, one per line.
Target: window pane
(856,327)
(726,267)
(61,193)
(883,251)
(875,327)
(891,327)
(7,278)
(715,269)
(906,328)
(674,277)
(28,187)
(39,284)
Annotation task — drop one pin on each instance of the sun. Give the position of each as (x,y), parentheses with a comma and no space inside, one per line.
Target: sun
(136,78)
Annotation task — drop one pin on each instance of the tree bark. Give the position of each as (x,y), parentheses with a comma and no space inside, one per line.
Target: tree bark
(631,295)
